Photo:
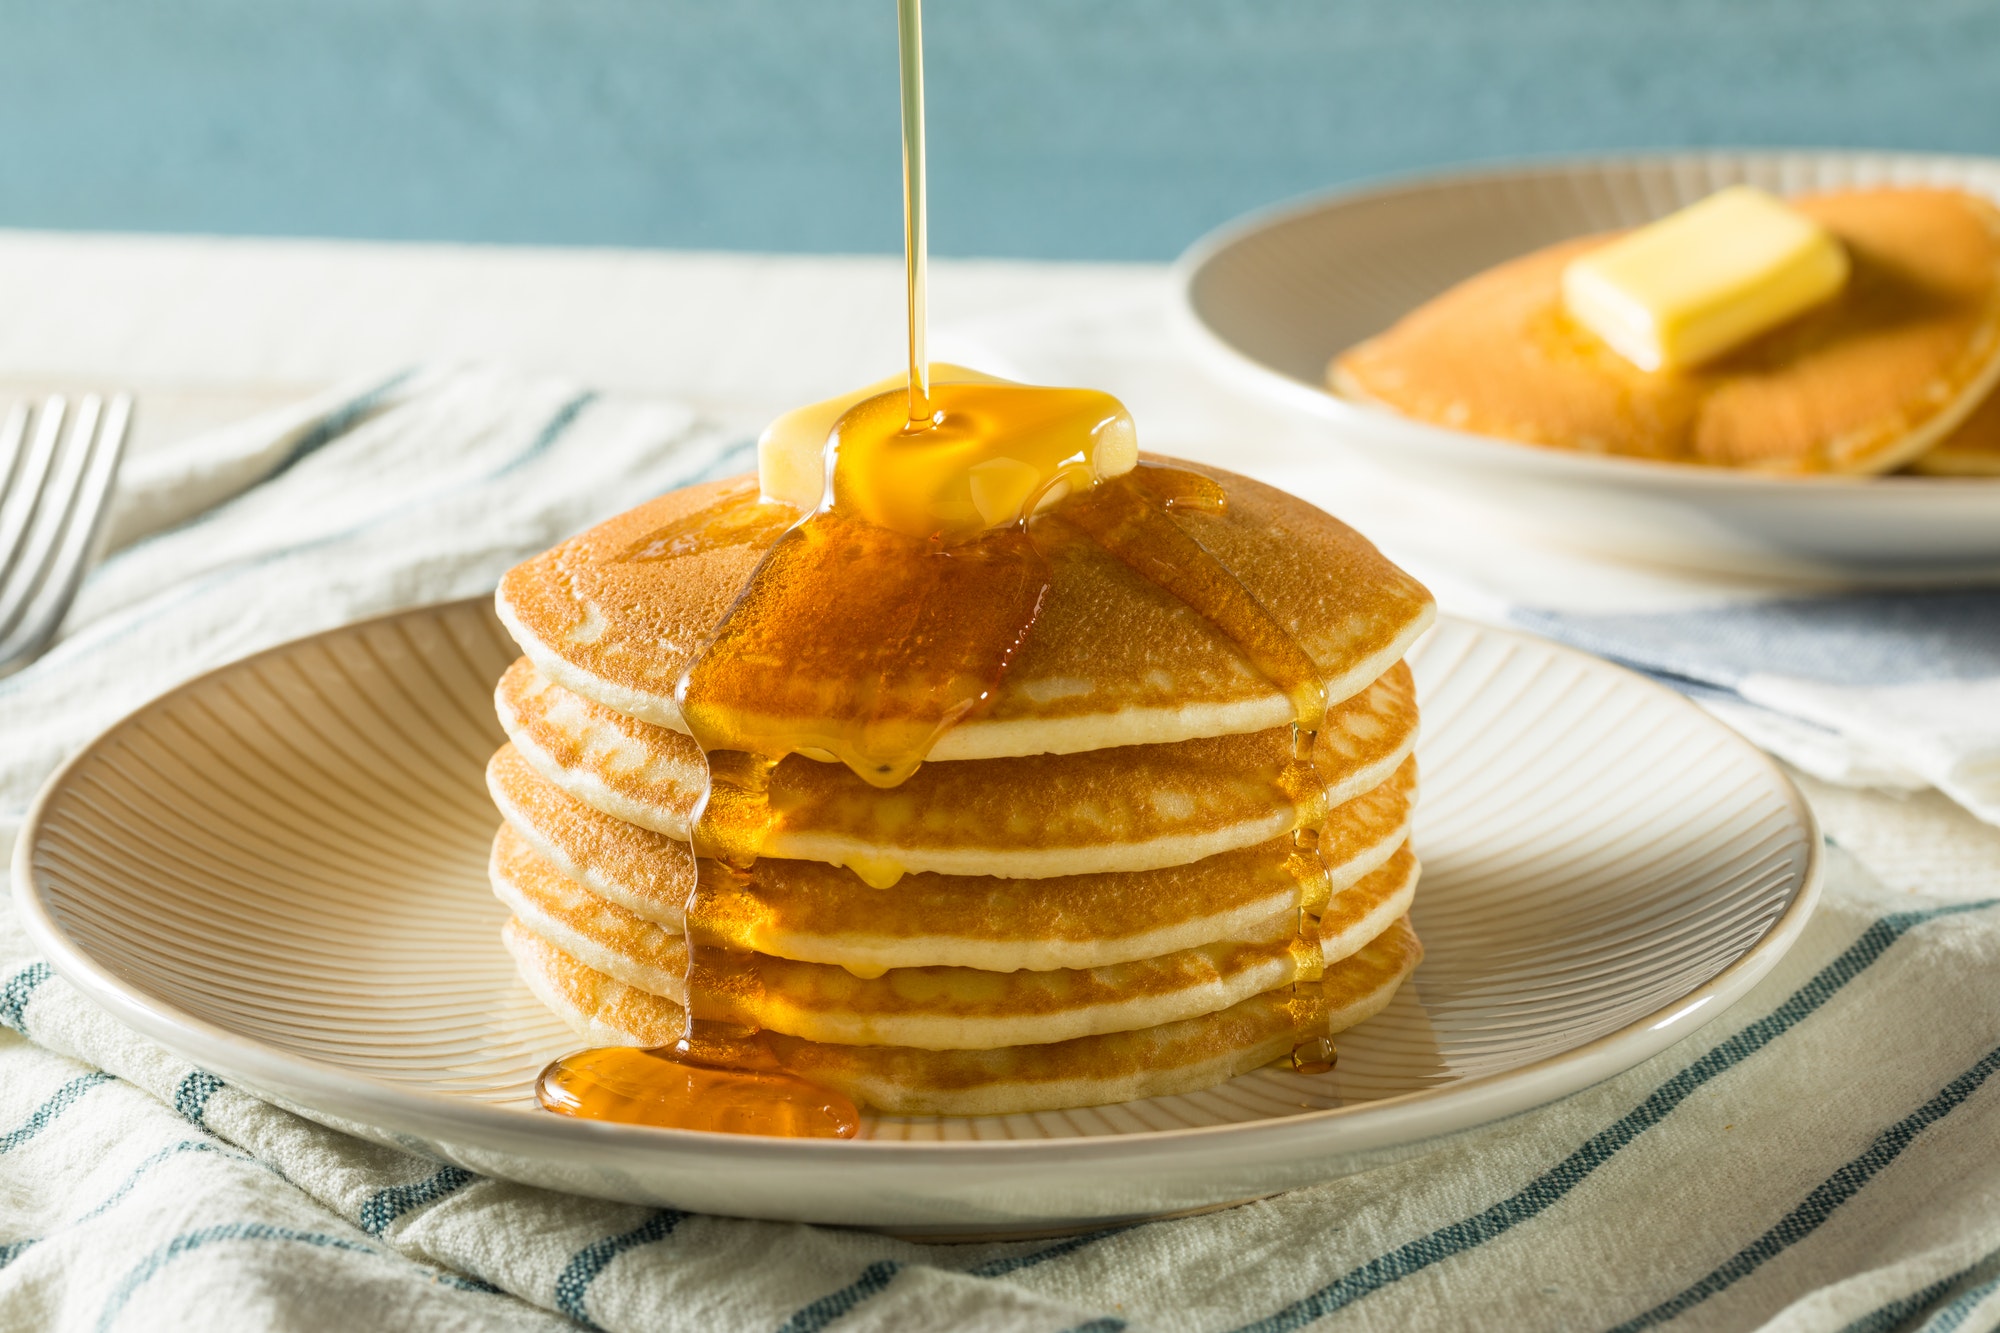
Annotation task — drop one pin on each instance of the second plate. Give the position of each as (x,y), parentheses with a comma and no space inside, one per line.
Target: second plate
(1271,298)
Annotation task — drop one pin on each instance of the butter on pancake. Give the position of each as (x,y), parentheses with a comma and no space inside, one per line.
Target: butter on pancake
(1084,1071)
(813,912)
(1864,384)
(616,613)
(1130,808)
(1973,450)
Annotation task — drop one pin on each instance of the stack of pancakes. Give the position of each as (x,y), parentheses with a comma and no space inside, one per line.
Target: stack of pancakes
(1898,370)
(1089,892)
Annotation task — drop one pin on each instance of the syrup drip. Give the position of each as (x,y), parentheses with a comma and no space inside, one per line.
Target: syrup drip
(1130,521)
(889,615)
(855,641)
(737,1087)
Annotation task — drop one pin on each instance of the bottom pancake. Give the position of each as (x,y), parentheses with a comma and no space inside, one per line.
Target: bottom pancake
(1158,1061)
(1973,450)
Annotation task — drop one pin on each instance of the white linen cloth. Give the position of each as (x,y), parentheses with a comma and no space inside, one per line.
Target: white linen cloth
(1820,1157)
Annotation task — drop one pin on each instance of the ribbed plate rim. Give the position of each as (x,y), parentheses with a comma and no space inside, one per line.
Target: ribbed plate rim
(1473,447)
(1401,1120)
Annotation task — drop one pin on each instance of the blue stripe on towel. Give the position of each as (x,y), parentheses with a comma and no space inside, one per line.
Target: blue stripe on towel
(834,1304)
(49,1111)
(192,1094)
(1953,1316)
(1555,1183)
(335,423)
(573,1283)
(139,1172)
(1821,1204)
(194,1240)
(564,418)
(876,1277)
(383,1207)
(1886,638)
(1003,1267)
(1895,1312)
(21,988)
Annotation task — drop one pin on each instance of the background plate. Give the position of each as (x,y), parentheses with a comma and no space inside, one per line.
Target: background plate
(1271,298)
(278,870)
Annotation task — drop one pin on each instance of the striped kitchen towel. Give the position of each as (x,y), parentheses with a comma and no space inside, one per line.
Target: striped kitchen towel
(1898,689)
(1821,1157)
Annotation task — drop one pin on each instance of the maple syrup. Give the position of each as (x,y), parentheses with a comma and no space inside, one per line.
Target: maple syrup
(711,1088)
(889,614)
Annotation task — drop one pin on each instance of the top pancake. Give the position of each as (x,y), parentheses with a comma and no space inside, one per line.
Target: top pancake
(1111,661)
(1863,384)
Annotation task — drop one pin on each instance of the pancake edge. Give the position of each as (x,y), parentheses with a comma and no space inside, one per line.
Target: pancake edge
(885,1095)
(1259,968)
(977,739)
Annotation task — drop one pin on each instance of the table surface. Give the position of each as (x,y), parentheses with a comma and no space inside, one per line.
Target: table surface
(211,330)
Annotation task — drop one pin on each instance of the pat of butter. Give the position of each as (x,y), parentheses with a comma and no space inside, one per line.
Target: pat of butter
(1705,280)
(791,453)
(993,453)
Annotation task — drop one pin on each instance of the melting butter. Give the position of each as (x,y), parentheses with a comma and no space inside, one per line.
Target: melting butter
(1704,281)
(992,453)
(791,453)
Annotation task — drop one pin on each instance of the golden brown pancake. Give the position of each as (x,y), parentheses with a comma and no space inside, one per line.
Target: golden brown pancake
(1863,384)
(812,912)
(616,613)
(935,1008)
(1085,1071)
(1133,808)
(1973,450)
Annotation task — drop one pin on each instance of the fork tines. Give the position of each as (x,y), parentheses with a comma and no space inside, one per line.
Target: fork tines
(52,504)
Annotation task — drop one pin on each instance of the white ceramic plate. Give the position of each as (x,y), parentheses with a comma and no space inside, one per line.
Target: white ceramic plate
(1271,298)
(278,870)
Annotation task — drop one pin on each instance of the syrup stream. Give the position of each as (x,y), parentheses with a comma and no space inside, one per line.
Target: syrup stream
(916,229)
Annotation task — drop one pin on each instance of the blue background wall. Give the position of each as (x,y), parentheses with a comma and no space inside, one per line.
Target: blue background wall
(1112,129)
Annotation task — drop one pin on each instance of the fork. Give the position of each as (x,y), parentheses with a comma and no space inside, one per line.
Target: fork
(52,507)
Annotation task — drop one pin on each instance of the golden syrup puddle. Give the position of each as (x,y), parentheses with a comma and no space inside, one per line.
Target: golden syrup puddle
(735,1088)
(889,614)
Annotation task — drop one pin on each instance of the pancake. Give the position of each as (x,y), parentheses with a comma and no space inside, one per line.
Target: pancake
(1085,1071)
(616,614)
(1132,808)
(1864,384)
(1091,890)
(938,1006)
(1973,450)
(813,912)
(932,1008)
